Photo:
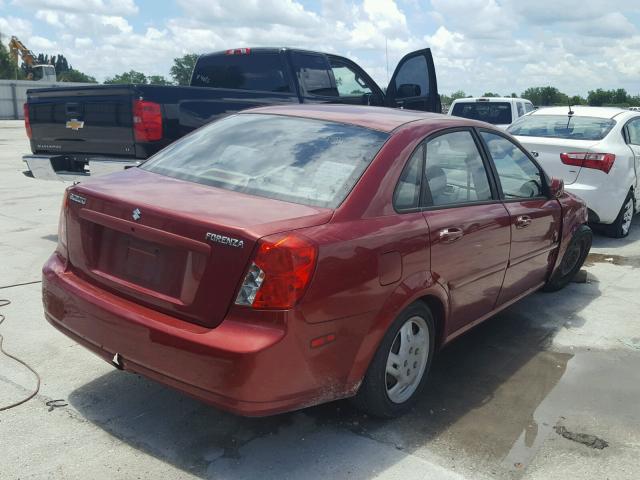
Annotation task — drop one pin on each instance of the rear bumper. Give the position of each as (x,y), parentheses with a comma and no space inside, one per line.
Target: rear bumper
(246,368)
(69,167)
(604,204)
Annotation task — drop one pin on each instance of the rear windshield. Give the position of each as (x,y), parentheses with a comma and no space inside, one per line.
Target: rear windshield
(562,126)
(254,71)
(313,162)
(498,113)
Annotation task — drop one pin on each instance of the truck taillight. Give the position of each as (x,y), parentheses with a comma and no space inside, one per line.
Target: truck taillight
(597,161)
(27,120)
(238,51)
(280,272)
(147,121)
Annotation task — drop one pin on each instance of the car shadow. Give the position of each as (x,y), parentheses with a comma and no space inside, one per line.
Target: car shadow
(481,399)
(601,241)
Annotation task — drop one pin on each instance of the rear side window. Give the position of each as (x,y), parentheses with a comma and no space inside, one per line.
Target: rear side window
(407,194)
(254,71)
(454,170)
(520,109)
(313,72)
(497,113)
(413,73)
(562,126)
(313,162)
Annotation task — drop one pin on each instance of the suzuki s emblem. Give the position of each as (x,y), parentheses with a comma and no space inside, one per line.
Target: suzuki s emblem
(136,214)
(75,124)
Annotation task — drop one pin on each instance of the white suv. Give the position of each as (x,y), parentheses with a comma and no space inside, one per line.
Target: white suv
(500,111)
(596,151)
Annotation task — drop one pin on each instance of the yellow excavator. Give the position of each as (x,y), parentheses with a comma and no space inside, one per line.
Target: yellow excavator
(37,73)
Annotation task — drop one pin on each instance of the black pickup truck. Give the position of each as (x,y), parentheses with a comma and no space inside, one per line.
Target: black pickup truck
(83,130)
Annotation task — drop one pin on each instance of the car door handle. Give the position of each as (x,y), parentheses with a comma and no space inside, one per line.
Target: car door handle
(450,235)
(523,221)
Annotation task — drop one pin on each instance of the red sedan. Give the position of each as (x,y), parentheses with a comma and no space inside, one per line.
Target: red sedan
(289,256)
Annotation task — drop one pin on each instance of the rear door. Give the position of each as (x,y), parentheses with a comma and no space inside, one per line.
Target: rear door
(535,218)
(468,224)
(413,84)
(632,136)
(96,120)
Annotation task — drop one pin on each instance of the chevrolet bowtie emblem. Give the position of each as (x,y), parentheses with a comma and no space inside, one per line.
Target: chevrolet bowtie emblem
(75,124)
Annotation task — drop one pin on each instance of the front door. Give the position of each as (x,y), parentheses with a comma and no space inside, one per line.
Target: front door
(535,218)
(413,84)
(469,226)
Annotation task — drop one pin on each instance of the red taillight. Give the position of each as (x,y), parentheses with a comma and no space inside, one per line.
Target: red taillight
(147,121)
(598,161)
(280,272)
(27,120)
(62,228)
(238,51)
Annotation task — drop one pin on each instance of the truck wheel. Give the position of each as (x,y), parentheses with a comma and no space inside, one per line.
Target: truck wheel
(572,260)
(620,228)
(399,369)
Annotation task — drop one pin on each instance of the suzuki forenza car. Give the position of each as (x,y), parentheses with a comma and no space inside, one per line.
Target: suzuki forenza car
(289,256)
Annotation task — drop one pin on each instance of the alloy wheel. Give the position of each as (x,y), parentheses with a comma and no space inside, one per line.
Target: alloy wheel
(407,359)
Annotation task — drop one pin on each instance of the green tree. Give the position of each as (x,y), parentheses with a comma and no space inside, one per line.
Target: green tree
(577,100)
(129,77)
(72,75)
(183,67)
(544,96)
(8,68)
(490,94)
(158,80)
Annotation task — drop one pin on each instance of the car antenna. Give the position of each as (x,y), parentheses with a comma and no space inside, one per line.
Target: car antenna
(569,114)
(570,111)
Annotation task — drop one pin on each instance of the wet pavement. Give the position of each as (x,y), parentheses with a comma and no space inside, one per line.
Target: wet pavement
(532,393)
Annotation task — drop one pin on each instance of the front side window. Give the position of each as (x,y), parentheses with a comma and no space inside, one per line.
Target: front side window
(412,80)
(520,109)
(570,127)
(519,176)
(313,72)
(348,82)
(528,107)
(496,113)
(454,170)
(312,162)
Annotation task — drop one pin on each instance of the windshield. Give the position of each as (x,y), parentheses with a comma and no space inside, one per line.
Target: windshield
(562,126)
(497,113)
(313,162)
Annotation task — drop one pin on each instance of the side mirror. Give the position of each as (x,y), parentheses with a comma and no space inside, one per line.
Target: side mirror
(407,90)
(556,187)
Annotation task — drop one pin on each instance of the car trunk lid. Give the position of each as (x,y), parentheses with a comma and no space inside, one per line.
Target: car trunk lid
(547,151)
(176,246)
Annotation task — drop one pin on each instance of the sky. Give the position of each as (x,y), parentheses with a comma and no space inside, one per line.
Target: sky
(479,46)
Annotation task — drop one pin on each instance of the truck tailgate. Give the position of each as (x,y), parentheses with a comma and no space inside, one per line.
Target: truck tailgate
(92,120)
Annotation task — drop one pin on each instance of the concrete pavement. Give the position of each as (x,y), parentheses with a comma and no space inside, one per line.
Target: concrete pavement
(493,409)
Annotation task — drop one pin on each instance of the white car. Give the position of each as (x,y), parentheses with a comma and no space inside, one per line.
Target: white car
(500,111)
(596,151)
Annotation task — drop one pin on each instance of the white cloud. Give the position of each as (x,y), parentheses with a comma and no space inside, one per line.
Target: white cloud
(112,7)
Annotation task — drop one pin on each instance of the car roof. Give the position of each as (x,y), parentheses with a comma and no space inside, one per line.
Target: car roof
(582,111)
(376,118)
(490,99)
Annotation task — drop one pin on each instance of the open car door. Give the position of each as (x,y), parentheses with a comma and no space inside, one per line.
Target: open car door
(413,84)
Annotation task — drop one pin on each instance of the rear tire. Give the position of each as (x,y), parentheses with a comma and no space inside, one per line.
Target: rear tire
(399,369)
(572,260)
(621,226)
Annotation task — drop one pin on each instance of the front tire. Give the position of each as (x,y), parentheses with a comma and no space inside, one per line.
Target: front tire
(621,226)
(572,260)
(399,369)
